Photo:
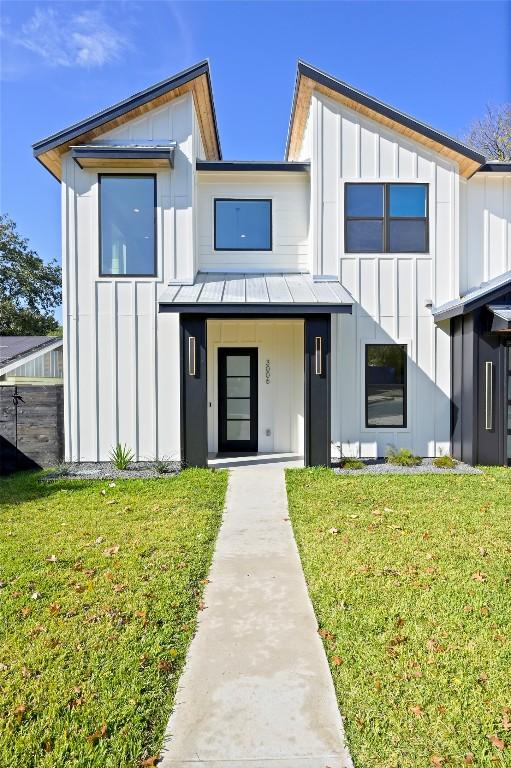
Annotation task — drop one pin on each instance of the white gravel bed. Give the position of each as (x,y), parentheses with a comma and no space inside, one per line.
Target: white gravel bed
(382,467)
(105,470)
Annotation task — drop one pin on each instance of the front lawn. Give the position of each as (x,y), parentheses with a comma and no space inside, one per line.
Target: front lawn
(410,577)
(101,583)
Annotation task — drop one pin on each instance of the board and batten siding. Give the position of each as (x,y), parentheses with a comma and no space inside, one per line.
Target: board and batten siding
(289,193)
(121,357)
(390,290)
(485,228)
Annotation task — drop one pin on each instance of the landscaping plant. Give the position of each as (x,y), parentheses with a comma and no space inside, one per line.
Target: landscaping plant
(121,455)
(402,458)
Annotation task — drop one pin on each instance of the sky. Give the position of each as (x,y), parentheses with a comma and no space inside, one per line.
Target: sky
(60,62)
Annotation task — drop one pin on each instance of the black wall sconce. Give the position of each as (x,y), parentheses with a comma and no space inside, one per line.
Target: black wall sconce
(192,356)
(318,354)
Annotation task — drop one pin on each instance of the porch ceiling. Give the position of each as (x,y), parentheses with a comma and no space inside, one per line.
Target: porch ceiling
(220,293)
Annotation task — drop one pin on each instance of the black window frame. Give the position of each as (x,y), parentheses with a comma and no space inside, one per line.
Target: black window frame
(403,386)
(386,218)
(243,200)
(154,177)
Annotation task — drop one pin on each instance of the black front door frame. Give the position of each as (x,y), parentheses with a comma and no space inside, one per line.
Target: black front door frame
(237,446)
(317,386)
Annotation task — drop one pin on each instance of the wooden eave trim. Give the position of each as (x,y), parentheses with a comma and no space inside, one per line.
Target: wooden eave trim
(199,87)
(467,166)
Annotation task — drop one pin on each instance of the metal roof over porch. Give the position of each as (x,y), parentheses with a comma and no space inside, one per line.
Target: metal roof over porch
(270,293)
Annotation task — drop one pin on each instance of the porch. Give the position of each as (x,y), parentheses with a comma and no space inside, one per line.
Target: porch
(255,366)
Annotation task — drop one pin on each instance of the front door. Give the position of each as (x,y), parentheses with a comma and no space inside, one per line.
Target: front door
(237,400)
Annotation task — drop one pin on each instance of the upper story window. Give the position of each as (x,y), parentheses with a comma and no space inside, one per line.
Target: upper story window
(385,380)
(243,225)
(386,218)
(127,224)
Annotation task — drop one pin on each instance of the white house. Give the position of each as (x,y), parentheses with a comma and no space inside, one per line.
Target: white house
(355,295)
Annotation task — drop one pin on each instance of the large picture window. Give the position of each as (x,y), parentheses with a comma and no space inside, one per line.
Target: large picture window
(127,236)
(386,218)
(385,381)
(243,225)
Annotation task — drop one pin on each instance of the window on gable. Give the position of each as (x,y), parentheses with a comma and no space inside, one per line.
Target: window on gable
(386,218)
(127,224)
(385,382)
(243,225)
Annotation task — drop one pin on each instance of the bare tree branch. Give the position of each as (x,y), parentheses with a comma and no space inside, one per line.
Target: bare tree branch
(491,135)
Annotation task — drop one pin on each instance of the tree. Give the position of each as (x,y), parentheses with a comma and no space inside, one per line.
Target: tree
(29,288)
(491,135)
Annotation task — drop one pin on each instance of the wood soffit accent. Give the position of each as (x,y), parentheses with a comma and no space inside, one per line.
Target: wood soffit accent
(51,159)
(305,87)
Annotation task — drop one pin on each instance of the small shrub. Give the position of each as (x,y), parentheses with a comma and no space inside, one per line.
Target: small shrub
(120,456)
(445,462)
(162,466)
(350,462)
(402,458)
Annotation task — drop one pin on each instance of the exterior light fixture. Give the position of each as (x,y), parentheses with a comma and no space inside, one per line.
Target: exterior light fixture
(318,353)
(192,360)
(488,419)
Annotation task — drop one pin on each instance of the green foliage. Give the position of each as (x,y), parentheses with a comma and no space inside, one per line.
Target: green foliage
(350,462)
(409,579)
(445,462)
(121,455)
(162,465)
(101,584)
(402,458)
(30,289)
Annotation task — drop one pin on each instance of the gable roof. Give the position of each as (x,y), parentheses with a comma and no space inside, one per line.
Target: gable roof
(15,349)
(485,293)
(195,79)
(308,78)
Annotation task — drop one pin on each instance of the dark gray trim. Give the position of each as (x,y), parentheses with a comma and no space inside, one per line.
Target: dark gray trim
(268,309)
(124,153)
(465,308)
(132,102)
(338,86)
(317,394)
(251,165)
(155,233)
(497,167)
(243,200)
(194,393)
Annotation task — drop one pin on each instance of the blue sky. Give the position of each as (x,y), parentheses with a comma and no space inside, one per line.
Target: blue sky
(61,61)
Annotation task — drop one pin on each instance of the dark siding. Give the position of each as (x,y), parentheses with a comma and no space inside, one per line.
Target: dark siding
(194,394)
(317,394)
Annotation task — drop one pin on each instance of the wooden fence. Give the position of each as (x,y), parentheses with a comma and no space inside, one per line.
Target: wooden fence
(31,427)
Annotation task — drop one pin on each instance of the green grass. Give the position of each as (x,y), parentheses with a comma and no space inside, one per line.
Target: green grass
(410,578)
(100,591)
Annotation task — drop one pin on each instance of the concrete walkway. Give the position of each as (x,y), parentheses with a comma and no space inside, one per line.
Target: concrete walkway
(256,691)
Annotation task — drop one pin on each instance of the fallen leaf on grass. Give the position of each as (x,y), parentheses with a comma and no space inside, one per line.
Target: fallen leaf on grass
(469,758)
(51,559)
(54,608)
(437,761)
(36,595)
(97,735)
(333,530)
(337,661)
(150,761)
(79,588)
(506,722)
(377,685)
(325,634)
(417,711)
(119,587)
(19,712)
(26,611)
(110,551)
(478,576)
(165,666)
(495,741)
(26,673)
(482,679)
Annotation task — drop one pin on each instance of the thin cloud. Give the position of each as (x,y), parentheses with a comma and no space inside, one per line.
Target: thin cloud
(84,39)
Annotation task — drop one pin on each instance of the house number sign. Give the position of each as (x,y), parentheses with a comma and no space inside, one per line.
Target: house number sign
(268,371)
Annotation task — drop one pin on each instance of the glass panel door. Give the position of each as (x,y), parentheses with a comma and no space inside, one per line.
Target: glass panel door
(508,406)
(237,400)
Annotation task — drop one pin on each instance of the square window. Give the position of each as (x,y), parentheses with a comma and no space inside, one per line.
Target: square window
(243,225)
(407,236)
(408,200)
(127,225)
